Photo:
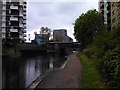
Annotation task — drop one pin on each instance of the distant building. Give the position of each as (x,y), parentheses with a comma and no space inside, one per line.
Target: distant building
(111,13)
(70,39)
(13,20)
(60,35)
(41,39)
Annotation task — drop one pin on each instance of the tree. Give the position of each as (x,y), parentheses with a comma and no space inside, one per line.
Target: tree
(86,27)
(45,30)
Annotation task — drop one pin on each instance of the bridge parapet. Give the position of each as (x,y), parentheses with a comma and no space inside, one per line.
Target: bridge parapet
(30,46)
(67,44)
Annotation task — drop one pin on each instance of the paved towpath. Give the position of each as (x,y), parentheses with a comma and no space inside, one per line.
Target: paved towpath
(69,77)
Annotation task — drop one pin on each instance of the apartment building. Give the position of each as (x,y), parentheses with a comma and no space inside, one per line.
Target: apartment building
(60,35)
(13,20)
(110,10)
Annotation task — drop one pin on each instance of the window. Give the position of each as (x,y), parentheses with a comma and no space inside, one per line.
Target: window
(3,35)
(3,18)
(119,16)
(9,11)
(113,12)
(113,20)
(4,7)
(3,13)
(3,24)
(114,3)
(119,24)
(4,2)
(3,29)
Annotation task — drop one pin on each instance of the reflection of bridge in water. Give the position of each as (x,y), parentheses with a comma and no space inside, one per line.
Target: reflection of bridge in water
(51,46)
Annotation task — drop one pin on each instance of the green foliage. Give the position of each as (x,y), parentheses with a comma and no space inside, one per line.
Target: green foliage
(90,77)
(110,67)
(86,27)
(108,53)
(105,45)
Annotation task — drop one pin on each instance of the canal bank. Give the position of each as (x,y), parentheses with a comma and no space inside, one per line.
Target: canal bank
(69,77)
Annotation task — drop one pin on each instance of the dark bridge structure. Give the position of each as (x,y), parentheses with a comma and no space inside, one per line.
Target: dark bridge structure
(65,47)
(60,47)
(66,44)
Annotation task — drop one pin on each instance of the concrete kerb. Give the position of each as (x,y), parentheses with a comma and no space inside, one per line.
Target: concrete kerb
(37,81)
(40,78)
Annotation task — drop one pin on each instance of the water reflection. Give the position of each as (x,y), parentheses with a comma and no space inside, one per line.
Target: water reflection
(19,73)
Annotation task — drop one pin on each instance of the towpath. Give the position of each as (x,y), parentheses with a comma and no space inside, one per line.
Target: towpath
(67,77)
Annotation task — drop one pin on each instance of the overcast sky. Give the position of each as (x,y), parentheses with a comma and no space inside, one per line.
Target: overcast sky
(56,14)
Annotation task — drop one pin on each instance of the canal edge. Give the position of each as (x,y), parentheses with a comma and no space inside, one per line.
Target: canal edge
(40,78)
(64,64)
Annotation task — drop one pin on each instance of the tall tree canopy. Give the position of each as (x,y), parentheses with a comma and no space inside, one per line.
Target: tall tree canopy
(45,30)
(86,27)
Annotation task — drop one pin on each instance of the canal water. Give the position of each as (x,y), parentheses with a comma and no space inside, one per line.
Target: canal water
(19,73)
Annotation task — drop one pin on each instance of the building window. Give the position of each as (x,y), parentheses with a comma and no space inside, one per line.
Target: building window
(119,24)
(4,7)
(3,29)
(3,13)
(3,24)
(4,2)
(9,23)
(3,35)
(9,11)
(113,3)
(113,20)
(113,12)
(119,16)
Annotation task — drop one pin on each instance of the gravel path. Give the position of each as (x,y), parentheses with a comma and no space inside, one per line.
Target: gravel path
(69,77)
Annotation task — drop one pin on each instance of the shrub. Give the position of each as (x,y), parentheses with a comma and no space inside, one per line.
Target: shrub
(108,54)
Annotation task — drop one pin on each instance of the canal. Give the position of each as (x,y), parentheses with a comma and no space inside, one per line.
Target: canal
(19,73)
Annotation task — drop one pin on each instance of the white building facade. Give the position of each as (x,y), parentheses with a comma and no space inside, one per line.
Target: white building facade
(13,20)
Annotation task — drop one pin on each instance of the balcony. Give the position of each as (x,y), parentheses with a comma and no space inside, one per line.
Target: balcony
(20,25)
(21,3)
(24,18)
(24,35)
(3,35)
(3,19)
(24,31)
(13,18)
(21,14)
(3,24)
(25,6)
(14,7)
(101,5)
(24,27)
(3,13)
(4,8)
(102,12)
(108,14)
(13,30)
(3,30)
(108,7)
(25,2)
(24,22)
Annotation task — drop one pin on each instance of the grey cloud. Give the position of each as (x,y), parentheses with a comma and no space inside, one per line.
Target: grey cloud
(55,14)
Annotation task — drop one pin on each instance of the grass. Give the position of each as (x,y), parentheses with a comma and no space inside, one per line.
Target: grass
(90,76)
